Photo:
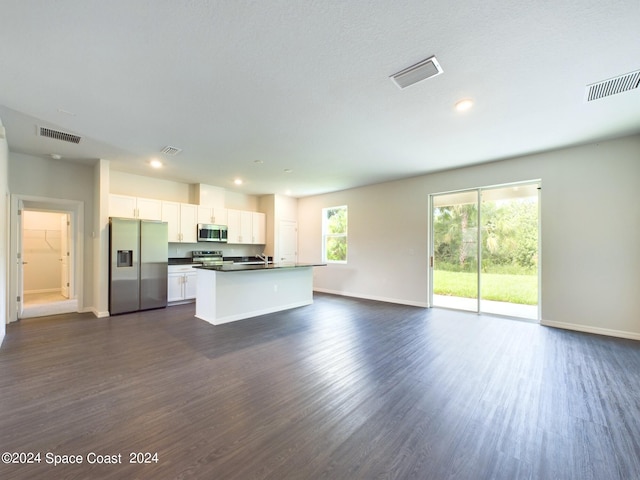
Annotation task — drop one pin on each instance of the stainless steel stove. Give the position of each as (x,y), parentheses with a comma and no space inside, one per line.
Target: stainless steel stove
(207,257)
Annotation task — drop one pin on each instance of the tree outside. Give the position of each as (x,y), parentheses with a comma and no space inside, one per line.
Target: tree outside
(509,247)
(335,228)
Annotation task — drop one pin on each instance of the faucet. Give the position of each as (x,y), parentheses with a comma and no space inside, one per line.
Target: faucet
(264,258)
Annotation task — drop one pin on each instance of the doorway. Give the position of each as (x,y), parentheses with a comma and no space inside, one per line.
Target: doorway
(46,253)
(46,245)
(485,250)
(287,242)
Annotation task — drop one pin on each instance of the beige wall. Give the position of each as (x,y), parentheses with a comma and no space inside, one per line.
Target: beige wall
(147,187)
(590,221)
(589,213)
(64,181)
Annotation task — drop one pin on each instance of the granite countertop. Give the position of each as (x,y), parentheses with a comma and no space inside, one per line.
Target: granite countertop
(236,260)
(240,267)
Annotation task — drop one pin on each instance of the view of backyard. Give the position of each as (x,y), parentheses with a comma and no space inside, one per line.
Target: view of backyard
(508,250)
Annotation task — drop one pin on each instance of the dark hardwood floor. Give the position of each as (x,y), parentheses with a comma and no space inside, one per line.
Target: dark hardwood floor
(341,389)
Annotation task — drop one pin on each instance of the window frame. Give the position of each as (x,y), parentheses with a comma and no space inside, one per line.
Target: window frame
(326,235)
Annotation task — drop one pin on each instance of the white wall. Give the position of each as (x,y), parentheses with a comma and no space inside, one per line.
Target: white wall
(47,178)
(4,230)
(146,187)
(590,221)
(100,235)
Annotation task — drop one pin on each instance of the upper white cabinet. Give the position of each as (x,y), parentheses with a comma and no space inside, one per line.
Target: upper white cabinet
(214,215)
(134,207)
(246,227)
(182,219)
(259,228)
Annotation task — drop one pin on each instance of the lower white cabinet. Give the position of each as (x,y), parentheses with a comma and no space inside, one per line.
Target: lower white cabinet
(181,286)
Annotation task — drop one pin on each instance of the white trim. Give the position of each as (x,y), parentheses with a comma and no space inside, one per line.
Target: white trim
(96,312)
(372,297)
(53,308)
(587,329)
(75,208)
(42,290)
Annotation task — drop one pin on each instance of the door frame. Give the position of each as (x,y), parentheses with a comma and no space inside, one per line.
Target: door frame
(478,191)
(75,210)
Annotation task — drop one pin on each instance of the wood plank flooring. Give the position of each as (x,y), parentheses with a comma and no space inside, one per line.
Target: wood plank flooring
(341,389)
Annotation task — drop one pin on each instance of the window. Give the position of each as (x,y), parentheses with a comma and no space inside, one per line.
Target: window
(334,234)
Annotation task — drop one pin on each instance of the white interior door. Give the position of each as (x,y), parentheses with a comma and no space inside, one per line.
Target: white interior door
(288,242)
(65,226)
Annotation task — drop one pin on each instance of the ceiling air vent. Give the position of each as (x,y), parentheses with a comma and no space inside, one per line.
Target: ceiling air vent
(58,135)
(416,73)
(168,150)
(620,84)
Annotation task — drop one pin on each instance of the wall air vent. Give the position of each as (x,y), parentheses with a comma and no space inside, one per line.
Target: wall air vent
(606,88)
(168,150)
(416,73)
(58,135)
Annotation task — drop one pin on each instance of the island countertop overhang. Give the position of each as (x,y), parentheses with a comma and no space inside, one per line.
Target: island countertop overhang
(239,267)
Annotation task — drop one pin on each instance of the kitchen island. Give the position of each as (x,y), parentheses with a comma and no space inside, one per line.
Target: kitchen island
(225,293)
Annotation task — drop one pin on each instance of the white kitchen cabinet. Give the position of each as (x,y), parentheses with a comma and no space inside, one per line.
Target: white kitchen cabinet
(174,287)
(182,219)
(134,207)
(233,226)
(190,280)
(259,228)
(246,227)
(181,283)
(213,215)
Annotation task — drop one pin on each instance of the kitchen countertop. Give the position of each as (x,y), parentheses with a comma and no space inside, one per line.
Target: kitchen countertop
(235,260)
(240,267)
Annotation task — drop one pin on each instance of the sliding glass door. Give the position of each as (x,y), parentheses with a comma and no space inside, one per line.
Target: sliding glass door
(491,269)
(455,250)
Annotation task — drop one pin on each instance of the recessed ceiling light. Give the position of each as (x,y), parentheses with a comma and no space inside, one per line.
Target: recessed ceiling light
(465,104)
(238,181)
(155,163)
(56,156)
(287,192)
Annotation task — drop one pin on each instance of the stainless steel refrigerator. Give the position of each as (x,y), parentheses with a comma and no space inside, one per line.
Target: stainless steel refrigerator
(138,251)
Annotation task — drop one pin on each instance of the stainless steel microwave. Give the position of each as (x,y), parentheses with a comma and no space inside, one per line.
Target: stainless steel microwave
(212,233)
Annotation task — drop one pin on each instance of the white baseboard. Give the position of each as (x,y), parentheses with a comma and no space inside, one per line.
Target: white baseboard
(372,297)
(587,329)
(96,312)
(255,313)
(42,290)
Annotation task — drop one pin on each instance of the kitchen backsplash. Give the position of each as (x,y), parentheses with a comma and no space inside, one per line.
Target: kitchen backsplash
(183,250)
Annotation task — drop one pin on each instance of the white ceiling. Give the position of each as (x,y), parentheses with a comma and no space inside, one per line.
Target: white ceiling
(303,85)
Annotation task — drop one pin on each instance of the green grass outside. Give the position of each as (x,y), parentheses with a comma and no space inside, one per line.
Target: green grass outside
(521,289)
